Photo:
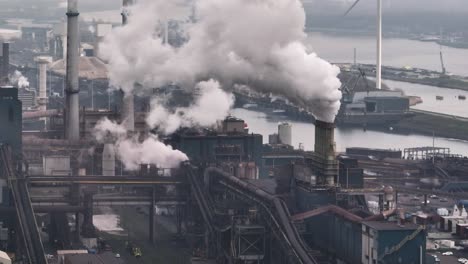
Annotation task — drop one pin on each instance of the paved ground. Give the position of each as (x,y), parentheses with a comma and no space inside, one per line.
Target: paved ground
(135,223)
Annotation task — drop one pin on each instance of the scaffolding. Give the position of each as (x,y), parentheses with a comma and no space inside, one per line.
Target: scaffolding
(422,153)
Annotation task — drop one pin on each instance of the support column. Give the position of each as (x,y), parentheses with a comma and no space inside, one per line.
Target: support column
(77,227)
(179,219)
(88,227)
(151,216)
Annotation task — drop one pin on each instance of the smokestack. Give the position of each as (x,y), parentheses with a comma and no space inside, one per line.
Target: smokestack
(72,128)
(128,105)
(325,152)
(42,99)
(5,63)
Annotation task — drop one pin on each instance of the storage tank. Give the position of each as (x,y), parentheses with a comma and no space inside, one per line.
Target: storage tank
(285,133)
(108,160)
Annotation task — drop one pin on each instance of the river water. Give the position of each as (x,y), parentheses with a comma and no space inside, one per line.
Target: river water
(399,53)
(395,52)
(351,137)
(449,105)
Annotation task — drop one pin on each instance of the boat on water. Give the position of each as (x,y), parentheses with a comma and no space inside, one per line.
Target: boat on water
(439,98)
(461,97)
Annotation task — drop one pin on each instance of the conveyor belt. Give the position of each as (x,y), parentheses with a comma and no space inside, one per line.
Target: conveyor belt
(32,243)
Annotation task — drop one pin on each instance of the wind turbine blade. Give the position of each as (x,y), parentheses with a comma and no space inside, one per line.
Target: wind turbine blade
(351,8)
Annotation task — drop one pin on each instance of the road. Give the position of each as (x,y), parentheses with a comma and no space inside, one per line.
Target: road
(135,223)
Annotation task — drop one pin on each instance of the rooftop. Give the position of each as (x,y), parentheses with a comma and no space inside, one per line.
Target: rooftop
(90,68)
(389,226)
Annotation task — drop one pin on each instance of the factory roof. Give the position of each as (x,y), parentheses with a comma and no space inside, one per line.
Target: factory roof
(91,68)
(389,226)
(105,258)
(360,96)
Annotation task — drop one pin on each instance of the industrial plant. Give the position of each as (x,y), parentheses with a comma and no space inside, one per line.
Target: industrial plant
(120,145)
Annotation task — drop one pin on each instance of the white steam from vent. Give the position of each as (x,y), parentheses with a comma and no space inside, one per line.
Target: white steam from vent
(133,152)
(211,104)
(255,43)
(18,79)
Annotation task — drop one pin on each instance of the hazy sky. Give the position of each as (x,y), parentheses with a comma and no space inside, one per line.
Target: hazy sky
(390,6)
(321,6)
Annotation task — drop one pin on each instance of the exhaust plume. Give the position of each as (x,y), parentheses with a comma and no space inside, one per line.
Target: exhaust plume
(133,152)
(212,104)
(259,44)
(18,79)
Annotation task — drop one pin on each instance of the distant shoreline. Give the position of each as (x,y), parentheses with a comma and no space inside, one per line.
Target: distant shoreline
(365,33)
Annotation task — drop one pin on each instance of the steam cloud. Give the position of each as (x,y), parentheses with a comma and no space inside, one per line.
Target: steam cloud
(254,43)
(19,80)
(211,105)
(132,152)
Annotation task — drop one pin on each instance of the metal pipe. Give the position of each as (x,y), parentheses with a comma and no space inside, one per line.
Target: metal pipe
(72,128)
(39,114)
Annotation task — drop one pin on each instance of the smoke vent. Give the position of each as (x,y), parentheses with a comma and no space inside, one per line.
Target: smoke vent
(324,158)
(128,101)
(5,63)
(72,129)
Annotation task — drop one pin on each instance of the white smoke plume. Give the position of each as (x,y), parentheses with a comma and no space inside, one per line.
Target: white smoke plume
(212,104)
(255,43)
(133,152)
(18,79)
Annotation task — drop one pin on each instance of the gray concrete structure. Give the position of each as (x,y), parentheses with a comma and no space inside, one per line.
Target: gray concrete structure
(42,99)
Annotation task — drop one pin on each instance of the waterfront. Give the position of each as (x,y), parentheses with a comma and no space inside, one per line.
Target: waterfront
(396,52)
(350,137)
(450,104)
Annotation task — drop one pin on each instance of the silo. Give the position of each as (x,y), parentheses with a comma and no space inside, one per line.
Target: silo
(285,133)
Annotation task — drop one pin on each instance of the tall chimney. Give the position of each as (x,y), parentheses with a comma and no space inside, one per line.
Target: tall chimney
(326,162)
(5,63)
(72,127)
(128,100)
(42,99)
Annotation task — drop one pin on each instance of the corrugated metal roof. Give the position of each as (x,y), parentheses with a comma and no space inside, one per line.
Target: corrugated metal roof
(380,225)
(90,68)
